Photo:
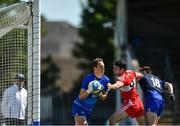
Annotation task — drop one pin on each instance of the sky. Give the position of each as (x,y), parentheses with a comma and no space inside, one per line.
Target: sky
(62,10)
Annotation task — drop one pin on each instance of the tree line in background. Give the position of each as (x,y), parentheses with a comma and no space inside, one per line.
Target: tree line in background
(13,52)
(13,55)
(4,3)
(97,32)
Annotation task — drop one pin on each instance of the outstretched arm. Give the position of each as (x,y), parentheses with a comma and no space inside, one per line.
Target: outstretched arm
(116,85)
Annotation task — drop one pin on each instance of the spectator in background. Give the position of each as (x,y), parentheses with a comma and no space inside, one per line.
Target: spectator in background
(153,88)
(14,102)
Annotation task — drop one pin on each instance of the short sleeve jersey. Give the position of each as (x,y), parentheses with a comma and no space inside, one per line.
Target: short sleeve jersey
(90,101)
(128,91)
(152,87)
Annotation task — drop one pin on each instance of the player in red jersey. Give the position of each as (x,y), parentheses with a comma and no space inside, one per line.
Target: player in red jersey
(126,82)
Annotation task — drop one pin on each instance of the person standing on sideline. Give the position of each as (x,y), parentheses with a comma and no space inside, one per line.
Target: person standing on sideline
(153,88)
(126,82)
(14,102)
(85,101)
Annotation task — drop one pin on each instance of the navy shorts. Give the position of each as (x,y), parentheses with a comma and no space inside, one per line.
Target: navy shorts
(80,111)
(155,106)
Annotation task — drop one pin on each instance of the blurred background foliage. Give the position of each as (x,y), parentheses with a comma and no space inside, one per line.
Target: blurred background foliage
(96,30)
(4,3)
(49,75)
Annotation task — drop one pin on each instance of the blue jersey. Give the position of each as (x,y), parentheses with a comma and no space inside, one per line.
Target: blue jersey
(152,87)
(90,101)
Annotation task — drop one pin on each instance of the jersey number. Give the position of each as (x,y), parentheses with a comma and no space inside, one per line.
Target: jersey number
(156,82)
(133,83)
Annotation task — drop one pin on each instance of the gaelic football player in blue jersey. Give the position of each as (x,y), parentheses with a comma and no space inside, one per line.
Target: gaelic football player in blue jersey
(83,105)
(153,88)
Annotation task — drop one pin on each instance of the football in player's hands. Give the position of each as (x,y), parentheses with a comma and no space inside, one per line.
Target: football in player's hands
(95,86)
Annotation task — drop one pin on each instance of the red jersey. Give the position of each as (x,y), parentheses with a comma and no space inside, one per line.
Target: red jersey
(128,91)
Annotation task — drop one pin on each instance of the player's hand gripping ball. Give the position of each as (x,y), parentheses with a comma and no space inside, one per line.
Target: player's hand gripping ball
(96,87)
